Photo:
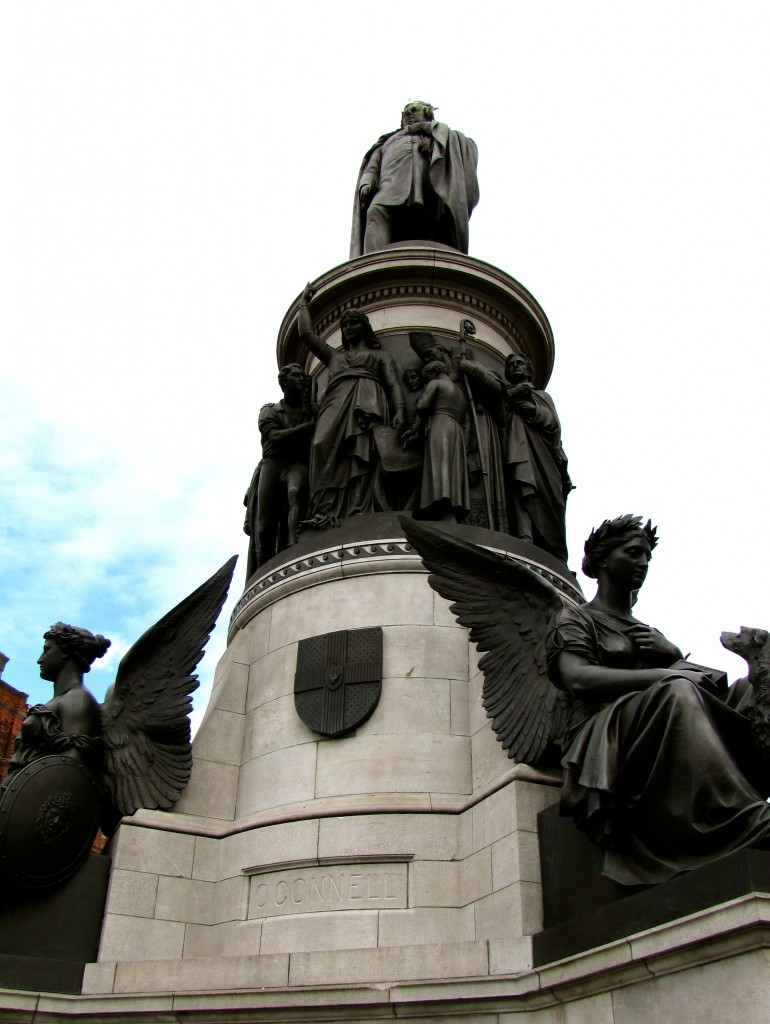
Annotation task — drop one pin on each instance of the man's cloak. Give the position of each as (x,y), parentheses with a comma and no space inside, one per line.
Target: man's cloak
(453,178)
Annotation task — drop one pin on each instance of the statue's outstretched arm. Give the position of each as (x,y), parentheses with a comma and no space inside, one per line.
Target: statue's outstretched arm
(270,428)
(393,389)
(370,176)
(601,684)
(486,387)
(424,403)
(307,335)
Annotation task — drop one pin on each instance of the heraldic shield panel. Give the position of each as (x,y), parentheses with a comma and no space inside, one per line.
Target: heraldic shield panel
(339,679)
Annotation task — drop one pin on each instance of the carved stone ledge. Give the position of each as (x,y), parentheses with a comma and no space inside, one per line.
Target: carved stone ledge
(314,560)
(411,287)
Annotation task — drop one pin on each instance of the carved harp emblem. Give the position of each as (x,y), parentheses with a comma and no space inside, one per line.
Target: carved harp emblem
(339,679)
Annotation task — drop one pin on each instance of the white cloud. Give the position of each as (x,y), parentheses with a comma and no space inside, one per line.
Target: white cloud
(176,174)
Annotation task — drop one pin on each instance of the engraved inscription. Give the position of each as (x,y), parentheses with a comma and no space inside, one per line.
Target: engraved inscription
(309,890)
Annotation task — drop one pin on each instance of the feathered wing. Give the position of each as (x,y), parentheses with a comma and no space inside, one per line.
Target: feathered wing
(145,722)
(507,609)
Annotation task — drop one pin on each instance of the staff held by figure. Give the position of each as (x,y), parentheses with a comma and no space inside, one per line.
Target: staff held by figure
(467,327)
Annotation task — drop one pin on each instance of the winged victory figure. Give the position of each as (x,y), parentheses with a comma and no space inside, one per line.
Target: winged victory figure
(666,767)
(134,750)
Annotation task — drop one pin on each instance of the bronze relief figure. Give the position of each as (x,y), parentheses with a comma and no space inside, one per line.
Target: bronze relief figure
(78,763)
(665,767)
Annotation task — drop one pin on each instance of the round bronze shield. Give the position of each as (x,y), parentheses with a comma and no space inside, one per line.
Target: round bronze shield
(49,813)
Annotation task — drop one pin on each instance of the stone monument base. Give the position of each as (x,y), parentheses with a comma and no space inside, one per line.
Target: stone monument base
(47,936)
(708,967)
(582,909)
(392,872)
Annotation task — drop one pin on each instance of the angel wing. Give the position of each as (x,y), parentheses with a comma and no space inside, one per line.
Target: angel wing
(507,608)
(145,721)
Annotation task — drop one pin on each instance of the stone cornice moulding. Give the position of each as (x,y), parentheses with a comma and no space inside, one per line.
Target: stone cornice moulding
(340,806)
(427,277)
(390,555)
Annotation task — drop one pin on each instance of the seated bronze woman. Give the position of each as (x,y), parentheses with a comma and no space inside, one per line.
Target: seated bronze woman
(659,769)
(663,763)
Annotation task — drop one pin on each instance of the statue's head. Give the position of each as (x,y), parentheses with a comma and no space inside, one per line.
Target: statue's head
(291,377)
(412,379)
(63,643)
(428,347)
(435,368)
(518,368)
(416,111)
(438,354)
(617,534)
(356,328)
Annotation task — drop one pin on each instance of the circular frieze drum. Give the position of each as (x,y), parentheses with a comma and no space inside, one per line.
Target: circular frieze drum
(49,813)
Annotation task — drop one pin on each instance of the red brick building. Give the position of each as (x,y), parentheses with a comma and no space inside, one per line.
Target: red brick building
(13,710)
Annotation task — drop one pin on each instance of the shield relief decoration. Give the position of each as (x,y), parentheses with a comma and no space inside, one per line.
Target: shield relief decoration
(49,813)
(338,681)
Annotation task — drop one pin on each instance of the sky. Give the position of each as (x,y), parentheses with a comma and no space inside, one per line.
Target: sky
(174,172)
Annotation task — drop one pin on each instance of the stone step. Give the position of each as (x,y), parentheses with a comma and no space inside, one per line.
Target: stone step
(342,966)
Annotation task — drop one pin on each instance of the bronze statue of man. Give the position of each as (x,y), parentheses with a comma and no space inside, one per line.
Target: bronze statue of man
(413,386)
(418,182)
(535,466)
(277,498)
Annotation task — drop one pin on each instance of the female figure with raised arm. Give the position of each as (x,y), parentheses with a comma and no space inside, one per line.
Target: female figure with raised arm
(660,766)
(363,389)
